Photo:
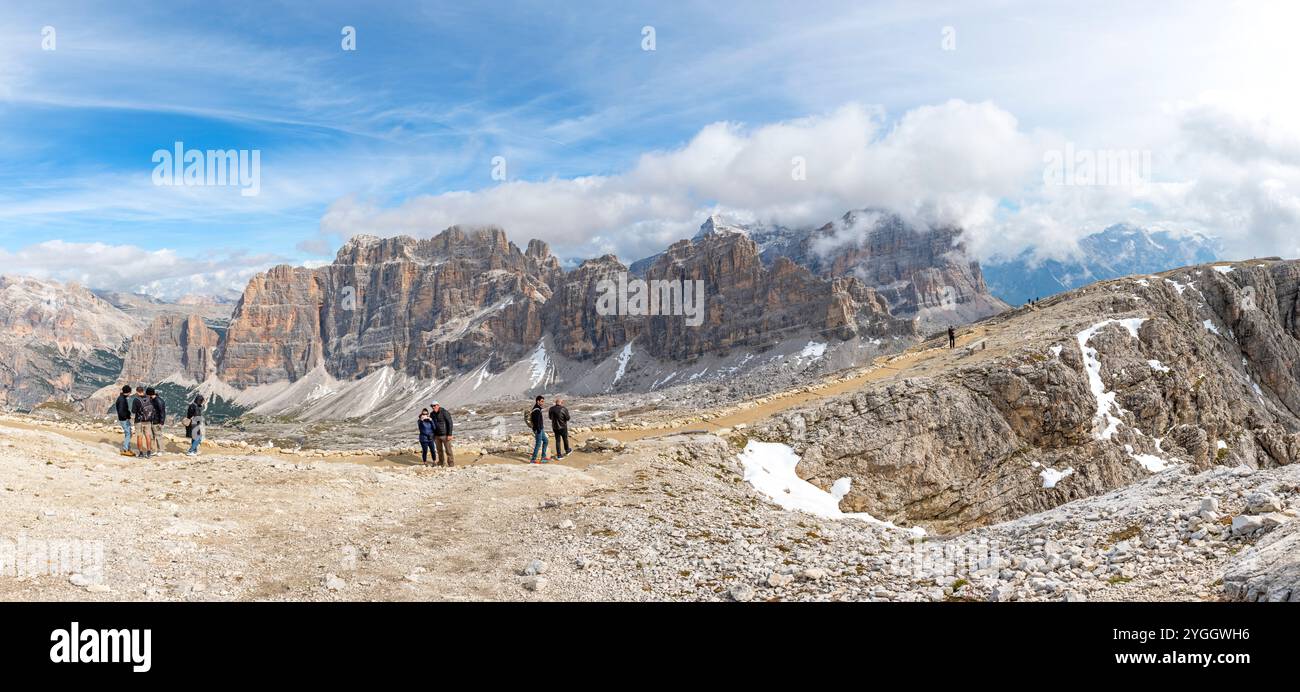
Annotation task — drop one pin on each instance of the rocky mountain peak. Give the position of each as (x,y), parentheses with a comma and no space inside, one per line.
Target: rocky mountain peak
(716,225)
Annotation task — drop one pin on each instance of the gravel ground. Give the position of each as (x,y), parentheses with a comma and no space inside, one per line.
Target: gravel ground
(667,519)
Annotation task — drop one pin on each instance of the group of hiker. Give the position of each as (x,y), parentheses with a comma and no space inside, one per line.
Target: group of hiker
(143,416)
(435,429)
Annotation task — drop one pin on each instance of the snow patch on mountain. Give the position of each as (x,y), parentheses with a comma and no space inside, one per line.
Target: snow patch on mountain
(770,468)
(1106,405)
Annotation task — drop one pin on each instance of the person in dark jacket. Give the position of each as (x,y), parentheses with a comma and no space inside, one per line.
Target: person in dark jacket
(159,419)
(559,416)
(952,338)
(195,426)
(442,434)
(537,421)
(425,426)
(123,408)
(142,410)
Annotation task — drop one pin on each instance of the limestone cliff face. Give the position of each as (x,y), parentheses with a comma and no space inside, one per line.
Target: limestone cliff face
(172,347)
(57,342)
(749,305)
(579,330)
(439,307)
(1093,390)
(920,272)
(425,307)
(275,331)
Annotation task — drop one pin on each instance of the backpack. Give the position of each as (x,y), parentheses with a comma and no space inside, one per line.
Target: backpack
(528,419)
(146,410)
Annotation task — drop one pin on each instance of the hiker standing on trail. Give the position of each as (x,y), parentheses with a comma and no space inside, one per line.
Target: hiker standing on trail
(123,408)
(952,338)
(560,427)
(159,418)
(194,425)
(537,421)
(442,434)
(142,409)
(425,426)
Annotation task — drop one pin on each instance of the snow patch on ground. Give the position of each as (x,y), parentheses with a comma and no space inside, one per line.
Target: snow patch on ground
(1224,269)
(538,365)
(1209,327)
(623,358)
(1150,462)
(812,352)
(1051,476)
(1105,417)
(770,469)
(1158,366)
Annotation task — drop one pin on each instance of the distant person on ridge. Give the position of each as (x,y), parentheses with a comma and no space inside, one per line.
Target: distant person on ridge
(123,408)
(425,425)
(952,338)
(194,425)
(537,421)
(142,409)
(560,427)
(442,434)
(159,419)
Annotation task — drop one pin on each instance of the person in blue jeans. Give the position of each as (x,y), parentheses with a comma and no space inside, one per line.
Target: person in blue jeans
(425,425)
(537,419)
(123,409)
(194,427)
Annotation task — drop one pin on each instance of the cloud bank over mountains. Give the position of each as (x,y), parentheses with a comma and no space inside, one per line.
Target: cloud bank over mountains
(956,163)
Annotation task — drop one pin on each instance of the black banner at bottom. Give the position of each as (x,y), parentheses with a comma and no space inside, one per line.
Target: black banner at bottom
(960,641)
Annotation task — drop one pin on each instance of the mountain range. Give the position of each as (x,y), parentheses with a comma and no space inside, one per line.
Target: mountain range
(1119,250)
(467,315)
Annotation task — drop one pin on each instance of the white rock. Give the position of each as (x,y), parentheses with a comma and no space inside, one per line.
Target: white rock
(1243,524)
(813,574)
(535,583)
(742,593)
(777,580)
(1262,503)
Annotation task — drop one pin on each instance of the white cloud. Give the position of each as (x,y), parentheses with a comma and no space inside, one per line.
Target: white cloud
(160,273)
(948,163)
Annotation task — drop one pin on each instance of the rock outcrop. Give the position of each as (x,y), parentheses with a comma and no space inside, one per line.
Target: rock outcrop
(1093,390)
(920,272)
(57,342)
(750,305)
(425,307)
(440,307)
(172,347)
(1269,570)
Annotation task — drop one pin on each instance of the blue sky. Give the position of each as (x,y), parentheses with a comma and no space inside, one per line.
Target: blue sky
(609,147)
